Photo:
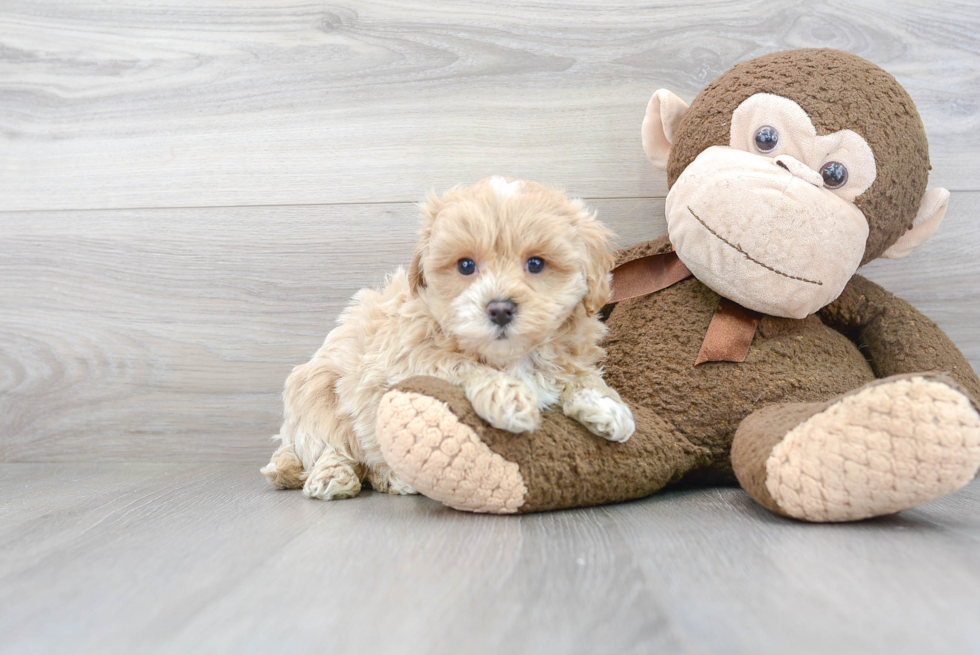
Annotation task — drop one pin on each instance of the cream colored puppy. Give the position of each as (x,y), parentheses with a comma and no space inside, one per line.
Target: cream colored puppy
(501,298)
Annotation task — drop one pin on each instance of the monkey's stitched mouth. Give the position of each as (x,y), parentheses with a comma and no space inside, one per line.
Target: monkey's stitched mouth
(747,255)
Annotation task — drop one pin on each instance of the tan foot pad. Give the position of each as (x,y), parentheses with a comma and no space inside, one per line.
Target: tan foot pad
(424,442)
(888,447)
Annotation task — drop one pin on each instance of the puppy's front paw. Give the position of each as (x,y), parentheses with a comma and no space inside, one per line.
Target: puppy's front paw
(505,402)
(604,416)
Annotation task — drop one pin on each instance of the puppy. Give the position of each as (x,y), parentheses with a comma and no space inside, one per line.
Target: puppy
(501,298)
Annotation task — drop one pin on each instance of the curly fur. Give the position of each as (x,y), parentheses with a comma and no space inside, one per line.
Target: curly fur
(432,320)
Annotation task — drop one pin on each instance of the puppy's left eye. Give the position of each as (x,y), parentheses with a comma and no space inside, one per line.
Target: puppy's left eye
(534,265)
(466,266)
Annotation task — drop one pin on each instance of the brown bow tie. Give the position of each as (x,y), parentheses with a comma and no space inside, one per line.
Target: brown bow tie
(732,327)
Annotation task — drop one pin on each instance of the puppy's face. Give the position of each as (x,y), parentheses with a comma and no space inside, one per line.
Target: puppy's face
(504,264)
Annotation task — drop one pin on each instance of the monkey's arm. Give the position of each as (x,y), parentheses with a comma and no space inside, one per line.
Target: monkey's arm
(894,336)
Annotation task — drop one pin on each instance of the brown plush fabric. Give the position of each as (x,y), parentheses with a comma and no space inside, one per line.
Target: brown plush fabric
(654,341)
(644,249)
(564,465)
(895,336)
(839,91)
(754,440)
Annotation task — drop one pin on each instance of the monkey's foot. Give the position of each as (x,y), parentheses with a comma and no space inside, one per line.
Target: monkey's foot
(891,445)
(436,453)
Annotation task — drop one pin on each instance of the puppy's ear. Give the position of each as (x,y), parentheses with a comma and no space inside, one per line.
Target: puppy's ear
(416,277)
(599,261)
(429,209)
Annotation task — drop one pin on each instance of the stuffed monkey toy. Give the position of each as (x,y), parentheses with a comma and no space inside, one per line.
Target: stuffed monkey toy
(744,342)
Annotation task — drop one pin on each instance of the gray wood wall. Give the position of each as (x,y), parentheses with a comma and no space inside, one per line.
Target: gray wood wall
(190,191)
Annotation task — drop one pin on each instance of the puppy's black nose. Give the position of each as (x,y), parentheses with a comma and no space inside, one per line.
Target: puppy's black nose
(501,311)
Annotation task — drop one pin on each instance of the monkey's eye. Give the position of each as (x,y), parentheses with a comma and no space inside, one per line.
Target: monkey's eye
(834,174)
(766,138)
(466,266)
(535,265)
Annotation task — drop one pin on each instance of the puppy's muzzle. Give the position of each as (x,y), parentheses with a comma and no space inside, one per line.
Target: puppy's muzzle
(501,312)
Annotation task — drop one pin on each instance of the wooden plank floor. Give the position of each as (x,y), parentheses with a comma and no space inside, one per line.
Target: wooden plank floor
(140,558)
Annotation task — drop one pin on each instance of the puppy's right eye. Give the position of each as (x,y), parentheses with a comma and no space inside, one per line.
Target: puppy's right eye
(534,265)
(466,266)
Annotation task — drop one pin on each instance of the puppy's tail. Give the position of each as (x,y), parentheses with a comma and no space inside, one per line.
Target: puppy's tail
(285,469)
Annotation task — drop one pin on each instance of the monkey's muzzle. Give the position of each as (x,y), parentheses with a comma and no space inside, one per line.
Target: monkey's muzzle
(762,236)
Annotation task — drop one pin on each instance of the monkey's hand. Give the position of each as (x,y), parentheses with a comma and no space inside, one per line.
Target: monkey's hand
(503,401)
(896,338)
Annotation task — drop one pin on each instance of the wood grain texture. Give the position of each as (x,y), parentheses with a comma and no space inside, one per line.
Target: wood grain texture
(117,104)
(156,558)
(166,335)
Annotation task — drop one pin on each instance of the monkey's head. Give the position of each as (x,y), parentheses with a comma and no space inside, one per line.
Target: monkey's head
(789,172)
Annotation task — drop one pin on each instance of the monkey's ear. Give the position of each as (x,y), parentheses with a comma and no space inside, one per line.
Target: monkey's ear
(930,215)
(664,114)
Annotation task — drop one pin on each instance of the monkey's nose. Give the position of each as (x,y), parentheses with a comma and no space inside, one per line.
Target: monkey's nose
(501,311)
(799,169)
